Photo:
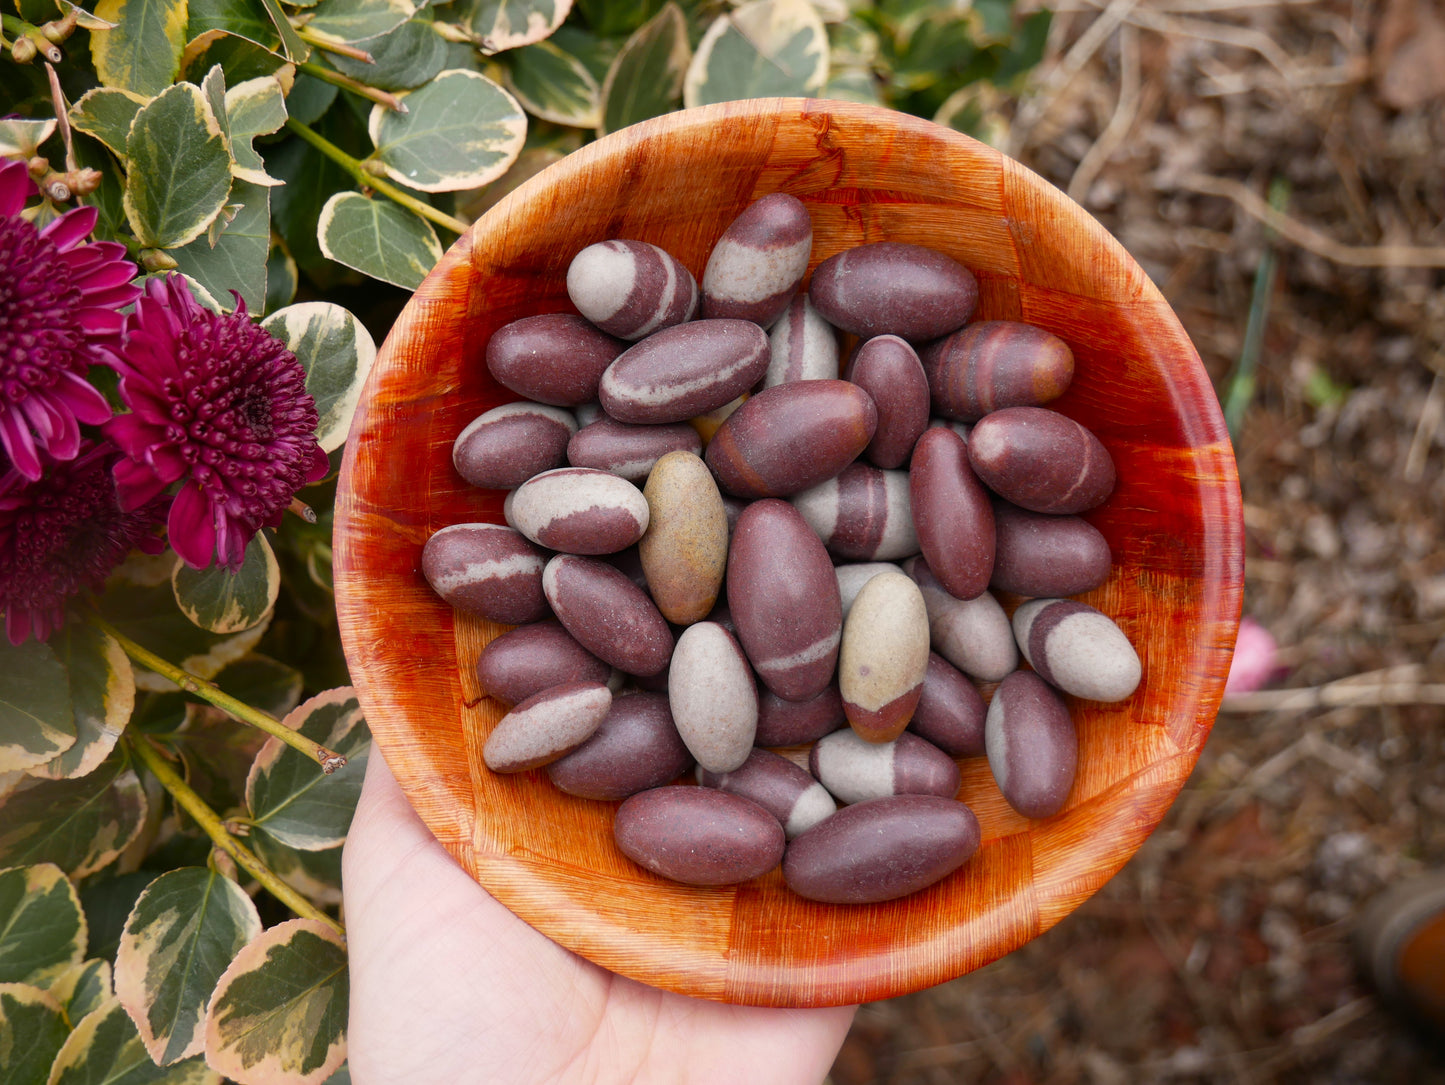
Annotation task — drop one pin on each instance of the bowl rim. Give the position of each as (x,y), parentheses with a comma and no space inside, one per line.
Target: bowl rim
(1152,794)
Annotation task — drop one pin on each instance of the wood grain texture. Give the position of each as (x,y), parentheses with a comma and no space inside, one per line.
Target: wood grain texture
(865,175)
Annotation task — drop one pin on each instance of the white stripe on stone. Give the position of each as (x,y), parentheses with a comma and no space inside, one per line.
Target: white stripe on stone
(853,769)
(600,278)
(740,272)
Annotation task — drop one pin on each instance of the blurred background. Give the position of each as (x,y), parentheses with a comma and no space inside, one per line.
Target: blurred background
(1278,168)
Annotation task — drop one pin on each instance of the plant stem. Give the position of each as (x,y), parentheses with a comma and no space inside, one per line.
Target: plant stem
(329,760)
(363,177)
(210,822)
(1240,389)
(356,86)
(326,45)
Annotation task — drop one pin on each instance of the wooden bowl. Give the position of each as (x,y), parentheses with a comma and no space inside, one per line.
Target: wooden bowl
(866,174)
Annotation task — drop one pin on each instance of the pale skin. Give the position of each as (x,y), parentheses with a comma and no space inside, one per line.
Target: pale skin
(449,987)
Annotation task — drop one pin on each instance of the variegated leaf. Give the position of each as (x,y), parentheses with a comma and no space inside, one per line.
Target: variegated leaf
(336,351)
(234,259)
(222,601)
(282,279)
(102,696)
(37,719)
(22,138)
(32,1028)
(106,1049)
(106,113)
(80,825)
(358,20)
(316,875)
(511,24)
(83,988)
(279,1012)
(263,682)
(256,107)
(377,238)
(289,797)
(42,929)
(409,56)
(645,78)
(461,131)
(554,85)
(147,613)
(180,169)
(246,19)
(142,50)
(763,49)
(292,45)
(182,934)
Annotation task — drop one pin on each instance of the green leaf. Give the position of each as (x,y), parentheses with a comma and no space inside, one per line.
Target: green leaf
(292,45)
(461,131)
(102,693)
(180,169)
(180,937)
(554,85)
(107,901)
(22,138)
(236,259)
(511,24)
(254,108)
(263,682)
(645,79)
(377,238)
(853,85)
(316,875)
(409,56)
(37,720)
(279,1012)
(282,278)
(32,1028)
(143,52)
(106,1049)
(310,180)
(245,19)
(109,198)
(106,113)
(221,601)
(358,20)
(79,825)
(84,988)
(595,53)
(762,49)
(148,615)
(289,797)
(336,351)
(42,929)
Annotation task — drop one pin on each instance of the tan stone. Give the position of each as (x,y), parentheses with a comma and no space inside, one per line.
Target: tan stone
(684,551)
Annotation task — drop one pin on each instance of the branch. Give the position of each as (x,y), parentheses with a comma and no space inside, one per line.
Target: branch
(192,803)
(329,760)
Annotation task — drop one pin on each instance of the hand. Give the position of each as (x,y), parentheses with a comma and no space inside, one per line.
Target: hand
(449,987)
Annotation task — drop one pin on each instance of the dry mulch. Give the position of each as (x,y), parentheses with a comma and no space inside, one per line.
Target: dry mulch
(1221,952)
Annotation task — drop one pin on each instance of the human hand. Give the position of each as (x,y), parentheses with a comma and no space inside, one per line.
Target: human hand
(449,987)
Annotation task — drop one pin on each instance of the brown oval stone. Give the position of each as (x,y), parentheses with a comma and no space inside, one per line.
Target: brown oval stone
(780,787)
(864,514)
(628,451)
(608,614)
(555,358)
(889,288)
(1033,749)
(507,445)
(950,710)
(486,569)
(684,550)
(1049,556)
(579,510)
(888,369)
(995,364)
(1041,460)
(684,371)
(546,725)
(804,346)
(786,439)
(794,723)
(534,657)
(951,513)
(631,289)
(756,266)
(636,747)
(698,835)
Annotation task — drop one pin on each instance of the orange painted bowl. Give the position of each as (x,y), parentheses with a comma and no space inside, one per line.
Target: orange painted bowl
(865,174)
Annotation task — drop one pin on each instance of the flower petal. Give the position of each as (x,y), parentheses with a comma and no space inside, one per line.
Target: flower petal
(136,484)
(191,527)
(70,228)
(84,401)
(19,445)
(15,188)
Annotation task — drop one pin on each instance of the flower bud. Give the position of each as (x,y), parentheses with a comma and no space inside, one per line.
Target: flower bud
(22,50)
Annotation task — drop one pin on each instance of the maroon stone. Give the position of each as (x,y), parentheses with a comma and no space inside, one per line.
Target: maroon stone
(791,437)
(780,787)
(865,514)
(950,712)
(996,364)
(698,835)
(486,569)
(1041,460)
(532,657)
(629,451)
(684,371)
(952,514)
(631,289)
(635,748)
(881,850)
(507,445)
(1033,748)
(579,510)
(889,288)
(784,600)
(1047,556)
(608,614)
(556,358)
(756,266)
(795,723)
(888,369)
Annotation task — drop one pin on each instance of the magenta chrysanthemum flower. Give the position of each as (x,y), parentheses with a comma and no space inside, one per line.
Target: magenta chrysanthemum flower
(63,533)
(219,405)
(59,315)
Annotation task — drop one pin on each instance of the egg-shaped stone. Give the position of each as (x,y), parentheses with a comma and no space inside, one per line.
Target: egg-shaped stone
(684,550)
(1041,460)
(784,789)
(579,510)
(698,835)
(1033,749)
(863,514)
(684,371)
(505,446)
(546,725)
(995,364)
(608,614)
(713,698)
(883,657)
(628,451)
(555,358)
(635,747)
(756,266)
(888,369)
(802,345)
(892,288)
(631,289)
(952,514)
(486,569)
(1077,648)
(533,657)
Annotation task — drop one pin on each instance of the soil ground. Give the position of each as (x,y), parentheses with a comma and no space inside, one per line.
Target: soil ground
(1221,952)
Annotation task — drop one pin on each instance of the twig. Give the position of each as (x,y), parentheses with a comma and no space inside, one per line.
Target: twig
(210,823)
(326,45)
(345,82)
(329,760)
(1224,33)
(1119,123)
(62,117)
(1341,693)
(1430,417)
(363,177)
(1240,389)
(1307,237)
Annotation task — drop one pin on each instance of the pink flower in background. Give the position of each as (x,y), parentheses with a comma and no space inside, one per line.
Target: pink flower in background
(1254,658)
(220,406)
(59,315)
(64,533)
